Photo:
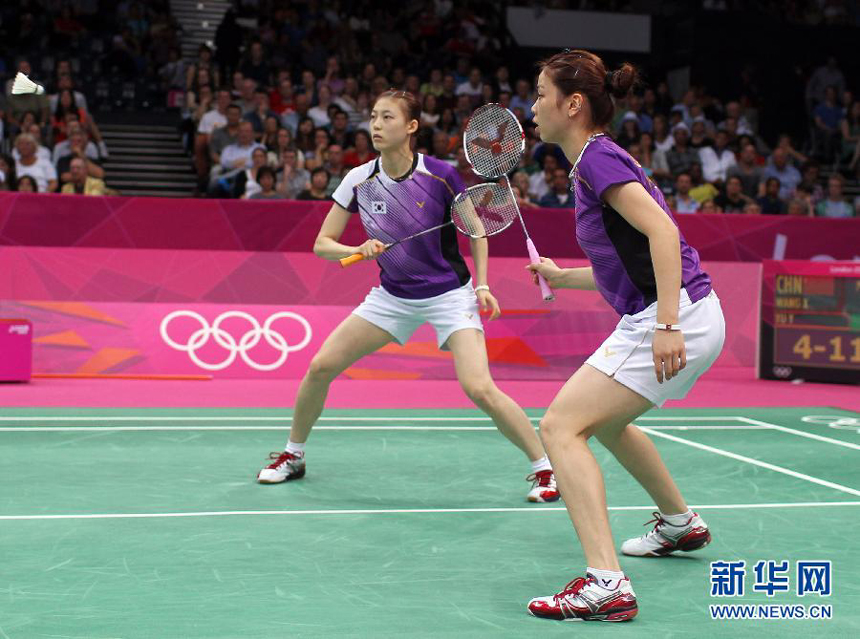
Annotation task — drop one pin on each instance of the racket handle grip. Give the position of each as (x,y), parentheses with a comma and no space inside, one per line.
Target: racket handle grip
(352,259)
(534,256)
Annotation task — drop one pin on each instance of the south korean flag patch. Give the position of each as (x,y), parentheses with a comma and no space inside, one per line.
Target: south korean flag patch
(378,208)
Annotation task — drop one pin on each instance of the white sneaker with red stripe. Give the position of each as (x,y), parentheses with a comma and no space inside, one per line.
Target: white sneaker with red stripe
(666,538)
(543,487)
(285,466)
(583,599)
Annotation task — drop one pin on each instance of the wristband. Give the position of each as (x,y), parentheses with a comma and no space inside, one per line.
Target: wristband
(482,287)
(667,327)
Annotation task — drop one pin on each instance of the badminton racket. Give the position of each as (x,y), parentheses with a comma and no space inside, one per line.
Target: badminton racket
(494,143)
(479,211)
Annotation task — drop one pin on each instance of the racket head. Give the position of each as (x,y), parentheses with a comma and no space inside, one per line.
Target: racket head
(493,140)
(484,209)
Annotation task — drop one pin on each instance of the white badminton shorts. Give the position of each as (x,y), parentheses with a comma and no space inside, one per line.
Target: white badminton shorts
(626,355)
(447,313)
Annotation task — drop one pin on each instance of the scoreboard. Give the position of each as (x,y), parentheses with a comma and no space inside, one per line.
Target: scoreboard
(810,321)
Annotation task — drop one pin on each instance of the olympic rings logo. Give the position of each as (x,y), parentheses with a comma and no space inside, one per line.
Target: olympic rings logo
(834,421)
(782,372)
(233,347)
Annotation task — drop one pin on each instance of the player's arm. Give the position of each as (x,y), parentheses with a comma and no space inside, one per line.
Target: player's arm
(480,255)
(327,244)
(579,278)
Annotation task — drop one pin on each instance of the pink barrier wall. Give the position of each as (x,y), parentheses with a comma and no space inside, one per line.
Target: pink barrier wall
(264,314)
(62,220)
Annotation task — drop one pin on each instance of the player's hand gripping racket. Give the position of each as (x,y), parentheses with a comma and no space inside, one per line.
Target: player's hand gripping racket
(479,211)
(494,143)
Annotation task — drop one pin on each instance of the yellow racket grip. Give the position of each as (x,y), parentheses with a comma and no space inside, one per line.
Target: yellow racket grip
(352,259)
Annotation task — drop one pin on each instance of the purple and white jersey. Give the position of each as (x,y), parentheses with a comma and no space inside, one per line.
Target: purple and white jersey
(620,255)
(391,210)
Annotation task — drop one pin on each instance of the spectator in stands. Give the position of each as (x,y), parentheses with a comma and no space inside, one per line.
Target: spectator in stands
(771,203)
(539,182)
(7,173)
(26,184)
(828,118)
(827,75)
(283,139)
(717,160)
(81,182)
(708,206)
(292,177)
(835,204)
(643,154)
(794,157)
(850,129)
(340,131)
(629,132)
(733,200)
(752,208)
(684,203)
(442,147)
(733,110)
(255,66)
(210,121)
(332,77)
(811,182)
(748,171)
(28,164)
(246,184)
(77,149)
(235,159)
(271,130)
(202,63)
(434,85)
(66,104)
(473,87)
(798,207)
(520,179)
(266,180)
(247,99)
(699,137)
(701,190)
(42,152)
(361,152)
(662,140)
(787,176)
(257,117)
(316,157)
(282,100)
(335,167)
(429,111)
(319,113)
(559,195)
(318,186)
(65,83)
(224,136)
(228,43)
(524,98)
(63,148)
(677,160)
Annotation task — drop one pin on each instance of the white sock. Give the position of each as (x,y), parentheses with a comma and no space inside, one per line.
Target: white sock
(294,448)
(607,579)
(541,464)
(678,520)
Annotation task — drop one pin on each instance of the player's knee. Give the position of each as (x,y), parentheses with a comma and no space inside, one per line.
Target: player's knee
(323,369)
(556,429)
(480,392)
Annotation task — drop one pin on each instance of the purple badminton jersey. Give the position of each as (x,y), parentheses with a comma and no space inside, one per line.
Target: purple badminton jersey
(620,255)
(391,210)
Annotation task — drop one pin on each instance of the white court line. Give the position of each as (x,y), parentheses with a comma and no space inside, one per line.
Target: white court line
(409,511)
(107,429)
(799,433)
(755,462)
(274,418)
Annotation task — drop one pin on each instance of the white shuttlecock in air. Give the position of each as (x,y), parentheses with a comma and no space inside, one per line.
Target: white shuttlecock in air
(23,84)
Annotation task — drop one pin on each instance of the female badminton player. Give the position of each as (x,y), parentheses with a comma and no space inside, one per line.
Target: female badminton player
(422,280)
(671,331)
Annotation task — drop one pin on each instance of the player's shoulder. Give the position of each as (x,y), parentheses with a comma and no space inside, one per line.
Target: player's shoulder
(434,166)
(360,173)
(604,150)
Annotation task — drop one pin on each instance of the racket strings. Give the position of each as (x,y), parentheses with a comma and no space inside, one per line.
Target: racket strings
(494,141)
(485,209)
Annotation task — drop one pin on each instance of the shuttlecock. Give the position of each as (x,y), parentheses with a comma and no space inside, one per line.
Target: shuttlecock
(23,84)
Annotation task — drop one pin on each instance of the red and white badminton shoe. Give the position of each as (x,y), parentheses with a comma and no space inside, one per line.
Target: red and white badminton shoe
(285,466)
(666,538)
(543,487)
(584,599)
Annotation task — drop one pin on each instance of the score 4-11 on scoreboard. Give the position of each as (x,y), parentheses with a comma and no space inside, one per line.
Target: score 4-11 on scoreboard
(810,321)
